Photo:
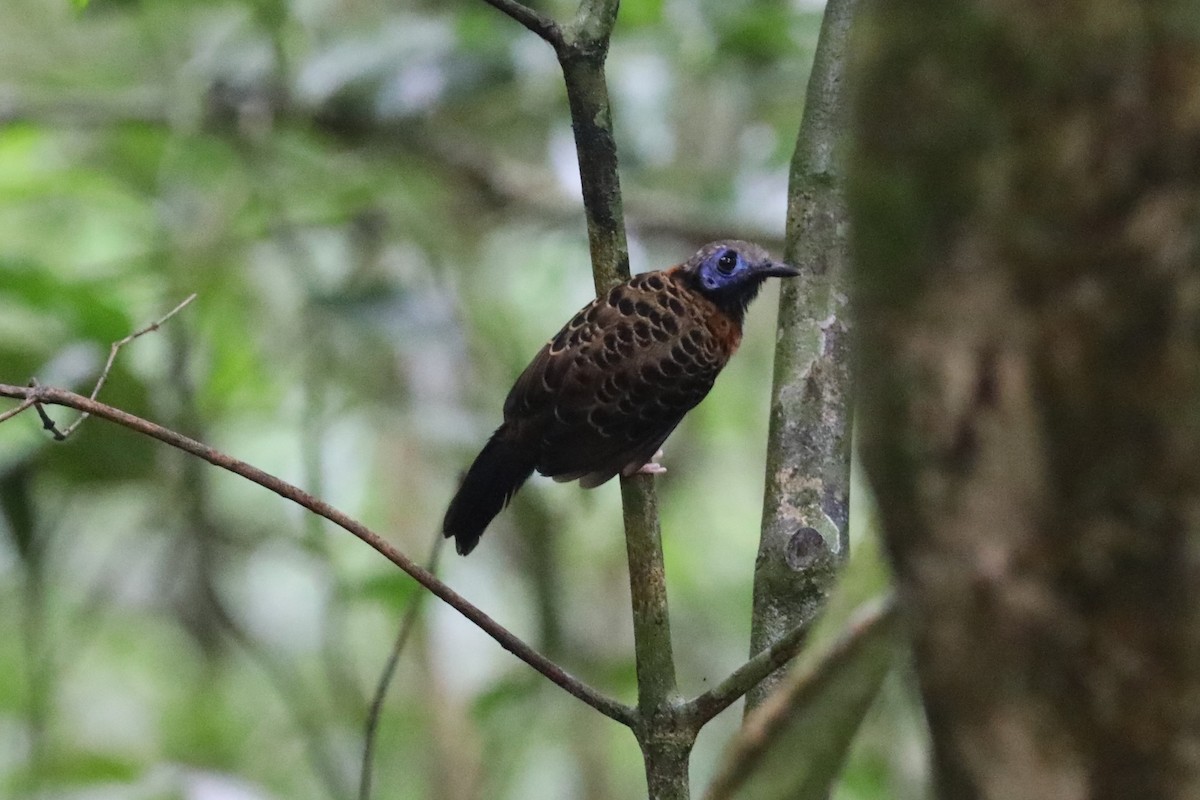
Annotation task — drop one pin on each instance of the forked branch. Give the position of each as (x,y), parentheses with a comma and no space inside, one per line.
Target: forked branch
(48,395)
(108,365)
(543,26)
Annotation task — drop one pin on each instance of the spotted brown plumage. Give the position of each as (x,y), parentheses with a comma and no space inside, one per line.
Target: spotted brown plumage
(601,397)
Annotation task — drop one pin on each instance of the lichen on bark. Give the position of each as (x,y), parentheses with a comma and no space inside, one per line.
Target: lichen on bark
(805,525)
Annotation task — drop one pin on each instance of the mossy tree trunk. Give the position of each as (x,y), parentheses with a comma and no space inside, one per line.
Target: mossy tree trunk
(806,505)
(1025,190)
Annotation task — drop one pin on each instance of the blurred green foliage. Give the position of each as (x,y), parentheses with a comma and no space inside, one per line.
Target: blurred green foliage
(377,204)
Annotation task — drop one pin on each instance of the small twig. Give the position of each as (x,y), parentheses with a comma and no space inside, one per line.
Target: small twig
(747,676)
(112,356)
(543,26)
(556,674)
(407,625)
(873,618)
(47,422)
(12,412)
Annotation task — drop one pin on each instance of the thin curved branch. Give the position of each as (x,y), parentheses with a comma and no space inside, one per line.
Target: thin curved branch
(48,395)
(407,625)
(12,412)
(543,26)
(706,706)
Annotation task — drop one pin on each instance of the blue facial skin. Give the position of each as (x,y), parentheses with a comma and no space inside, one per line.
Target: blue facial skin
(724,269)
(731,277)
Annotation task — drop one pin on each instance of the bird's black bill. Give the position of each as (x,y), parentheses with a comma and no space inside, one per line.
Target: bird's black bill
(776,269)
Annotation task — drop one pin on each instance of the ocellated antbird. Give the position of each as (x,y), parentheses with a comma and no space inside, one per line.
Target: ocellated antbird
(601,396)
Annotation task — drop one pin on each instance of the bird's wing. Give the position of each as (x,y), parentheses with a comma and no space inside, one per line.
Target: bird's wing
(606,391)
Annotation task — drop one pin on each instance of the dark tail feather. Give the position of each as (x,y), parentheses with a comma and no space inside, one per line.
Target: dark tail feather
(499,470)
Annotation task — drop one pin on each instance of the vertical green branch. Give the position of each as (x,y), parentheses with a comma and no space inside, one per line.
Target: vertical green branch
(665,741)
(663,732)
(582,63)
(651,625)
(805,509)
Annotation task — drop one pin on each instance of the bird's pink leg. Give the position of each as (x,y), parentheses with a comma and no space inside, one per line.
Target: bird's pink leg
(652,467)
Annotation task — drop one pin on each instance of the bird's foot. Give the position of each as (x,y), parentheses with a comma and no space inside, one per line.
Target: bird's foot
(652,467)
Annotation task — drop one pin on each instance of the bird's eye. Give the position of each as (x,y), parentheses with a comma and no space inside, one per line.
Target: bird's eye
(727,262)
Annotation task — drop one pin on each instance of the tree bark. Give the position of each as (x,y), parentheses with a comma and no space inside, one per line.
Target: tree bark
(805,525)
(1025,190)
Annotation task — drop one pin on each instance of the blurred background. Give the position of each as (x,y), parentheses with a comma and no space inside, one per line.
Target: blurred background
(377,204)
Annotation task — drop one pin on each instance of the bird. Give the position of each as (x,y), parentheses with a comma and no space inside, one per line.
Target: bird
(601,396)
